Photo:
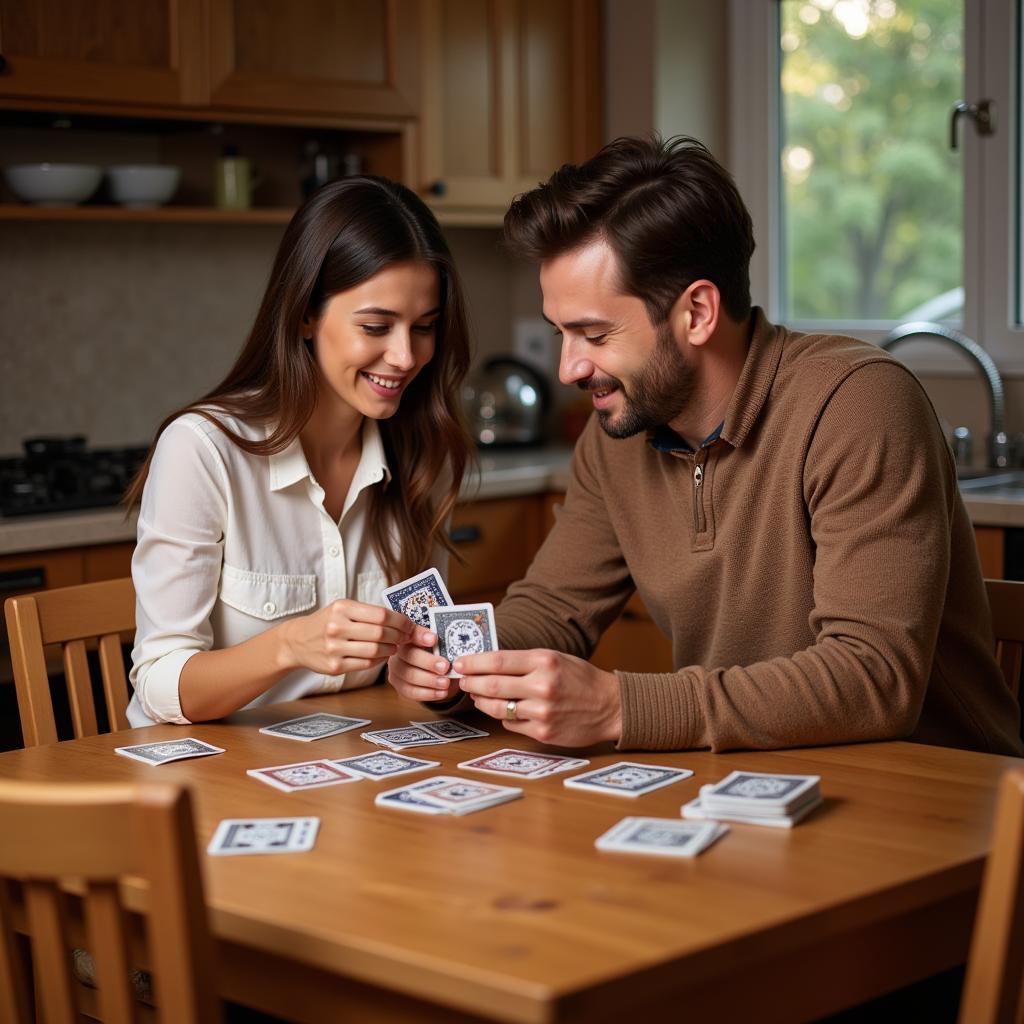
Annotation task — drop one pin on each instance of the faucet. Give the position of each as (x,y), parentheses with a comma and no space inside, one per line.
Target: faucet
(998,441)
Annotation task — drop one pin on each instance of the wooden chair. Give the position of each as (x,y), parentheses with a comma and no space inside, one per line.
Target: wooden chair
(994,987)
(81,838)
(1006,600)
(71,617)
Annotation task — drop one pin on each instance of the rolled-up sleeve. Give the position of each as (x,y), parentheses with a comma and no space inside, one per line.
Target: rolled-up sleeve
(176,567)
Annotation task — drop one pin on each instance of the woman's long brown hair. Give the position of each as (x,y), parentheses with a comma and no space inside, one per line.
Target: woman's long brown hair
(345,233)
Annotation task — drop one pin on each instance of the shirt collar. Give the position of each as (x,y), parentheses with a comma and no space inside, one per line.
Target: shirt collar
(756,378)
(288,467)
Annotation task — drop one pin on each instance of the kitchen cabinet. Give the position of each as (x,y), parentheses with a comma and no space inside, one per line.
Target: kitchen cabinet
(496,539)
(991,541)
(511,91)
(357,57)
(136,51)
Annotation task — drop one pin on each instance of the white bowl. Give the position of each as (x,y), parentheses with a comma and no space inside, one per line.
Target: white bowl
(139,185)
(53,184)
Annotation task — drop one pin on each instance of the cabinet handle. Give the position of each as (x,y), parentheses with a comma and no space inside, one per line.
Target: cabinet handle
(465,534)
(18,580)
(437,188)
(4,66)
(628,615)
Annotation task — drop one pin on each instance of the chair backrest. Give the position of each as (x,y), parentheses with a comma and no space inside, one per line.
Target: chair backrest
(994,988)
(78,838)
(1006,601)
(71,617)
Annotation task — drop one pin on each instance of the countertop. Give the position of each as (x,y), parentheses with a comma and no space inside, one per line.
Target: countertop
(501,474)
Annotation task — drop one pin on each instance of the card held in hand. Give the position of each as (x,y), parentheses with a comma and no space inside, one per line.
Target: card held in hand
(415,596)
(464,629)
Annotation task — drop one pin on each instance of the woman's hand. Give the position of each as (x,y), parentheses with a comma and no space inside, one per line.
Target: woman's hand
(419,674)
(346,636)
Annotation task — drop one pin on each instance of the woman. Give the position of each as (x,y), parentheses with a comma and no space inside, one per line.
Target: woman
(276,508)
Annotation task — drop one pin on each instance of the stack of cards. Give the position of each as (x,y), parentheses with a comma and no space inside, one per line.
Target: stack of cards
(664,837)
(628,778)
(418,734)
(444,794)
(523,764)
(757,798)
(164,751)
(314,727)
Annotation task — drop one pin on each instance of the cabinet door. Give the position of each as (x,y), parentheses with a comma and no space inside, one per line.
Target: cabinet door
(122,51)
(510,92)
(329,56)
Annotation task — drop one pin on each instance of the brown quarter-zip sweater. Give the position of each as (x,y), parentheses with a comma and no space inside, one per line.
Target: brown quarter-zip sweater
(814,566)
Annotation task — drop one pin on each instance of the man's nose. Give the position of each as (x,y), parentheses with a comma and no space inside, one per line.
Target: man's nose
(573,364)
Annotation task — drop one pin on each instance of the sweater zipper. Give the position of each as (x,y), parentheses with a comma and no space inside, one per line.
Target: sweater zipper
(698,492)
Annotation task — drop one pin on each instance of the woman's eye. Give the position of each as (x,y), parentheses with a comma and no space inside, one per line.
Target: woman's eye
(375,329)
(426,328)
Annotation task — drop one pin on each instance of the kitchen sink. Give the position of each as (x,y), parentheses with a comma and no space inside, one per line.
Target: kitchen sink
(1006,483)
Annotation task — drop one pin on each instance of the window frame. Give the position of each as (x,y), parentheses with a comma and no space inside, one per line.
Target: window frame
(990,263)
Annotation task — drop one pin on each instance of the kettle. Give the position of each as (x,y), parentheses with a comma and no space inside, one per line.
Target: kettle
(505,403)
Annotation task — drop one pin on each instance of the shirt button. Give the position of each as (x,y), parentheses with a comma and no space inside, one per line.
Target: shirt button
(334,551)
(270,608)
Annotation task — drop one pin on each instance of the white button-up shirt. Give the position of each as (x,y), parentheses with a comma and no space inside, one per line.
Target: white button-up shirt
(231,543)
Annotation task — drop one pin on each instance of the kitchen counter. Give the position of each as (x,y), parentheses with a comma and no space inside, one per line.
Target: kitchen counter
(500,474)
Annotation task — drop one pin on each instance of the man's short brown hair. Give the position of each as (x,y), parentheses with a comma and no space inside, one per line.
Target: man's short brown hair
(668,209)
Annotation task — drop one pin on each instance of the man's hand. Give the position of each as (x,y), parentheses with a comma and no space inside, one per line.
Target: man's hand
(561,700)
(419,674)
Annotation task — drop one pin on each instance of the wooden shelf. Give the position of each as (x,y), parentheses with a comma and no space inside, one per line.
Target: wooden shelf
(151,215)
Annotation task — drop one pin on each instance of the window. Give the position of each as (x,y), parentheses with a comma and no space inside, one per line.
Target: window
(840,142)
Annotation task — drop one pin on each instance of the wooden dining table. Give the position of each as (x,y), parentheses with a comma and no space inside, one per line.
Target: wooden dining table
(511,914)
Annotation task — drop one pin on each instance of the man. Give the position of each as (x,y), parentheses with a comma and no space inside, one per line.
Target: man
(785,504)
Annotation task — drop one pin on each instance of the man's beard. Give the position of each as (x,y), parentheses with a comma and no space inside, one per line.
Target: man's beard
(660,391)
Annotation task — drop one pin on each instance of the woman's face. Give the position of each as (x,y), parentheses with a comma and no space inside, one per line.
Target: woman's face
(372,340)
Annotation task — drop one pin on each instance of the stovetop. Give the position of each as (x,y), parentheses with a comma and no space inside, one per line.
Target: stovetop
(62,474)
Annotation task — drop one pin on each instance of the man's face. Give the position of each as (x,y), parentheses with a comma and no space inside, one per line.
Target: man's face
(635,372)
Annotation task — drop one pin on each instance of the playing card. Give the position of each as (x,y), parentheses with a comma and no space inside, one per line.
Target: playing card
(628,778)
(666,837)
(406,798)
(263,835)
(314,727)
(303,775)
(448,795)
(402,737)
(415,596)
(695,811)
(463,629)
(523,764)
(168,750)
(760,792)
(451,730)
(382,764)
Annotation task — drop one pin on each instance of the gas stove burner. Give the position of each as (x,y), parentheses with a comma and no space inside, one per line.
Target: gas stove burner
(61,474)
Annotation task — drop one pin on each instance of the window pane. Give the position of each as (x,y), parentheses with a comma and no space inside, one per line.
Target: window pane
(871,192)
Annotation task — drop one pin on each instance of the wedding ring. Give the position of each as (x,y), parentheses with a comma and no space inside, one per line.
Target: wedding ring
(510,709)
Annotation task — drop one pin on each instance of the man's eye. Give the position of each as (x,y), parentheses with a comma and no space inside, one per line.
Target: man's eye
(595,339)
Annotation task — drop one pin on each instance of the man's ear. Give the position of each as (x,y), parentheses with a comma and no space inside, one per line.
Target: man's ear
(694,316)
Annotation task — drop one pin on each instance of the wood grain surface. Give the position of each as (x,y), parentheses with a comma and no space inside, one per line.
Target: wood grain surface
(511,914)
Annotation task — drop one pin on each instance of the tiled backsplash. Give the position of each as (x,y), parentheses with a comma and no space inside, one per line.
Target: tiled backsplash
(105,328)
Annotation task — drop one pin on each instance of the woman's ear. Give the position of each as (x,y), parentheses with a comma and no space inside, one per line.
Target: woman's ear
(308,327)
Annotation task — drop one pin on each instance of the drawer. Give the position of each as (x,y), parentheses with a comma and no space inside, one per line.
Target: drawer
(497,540)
